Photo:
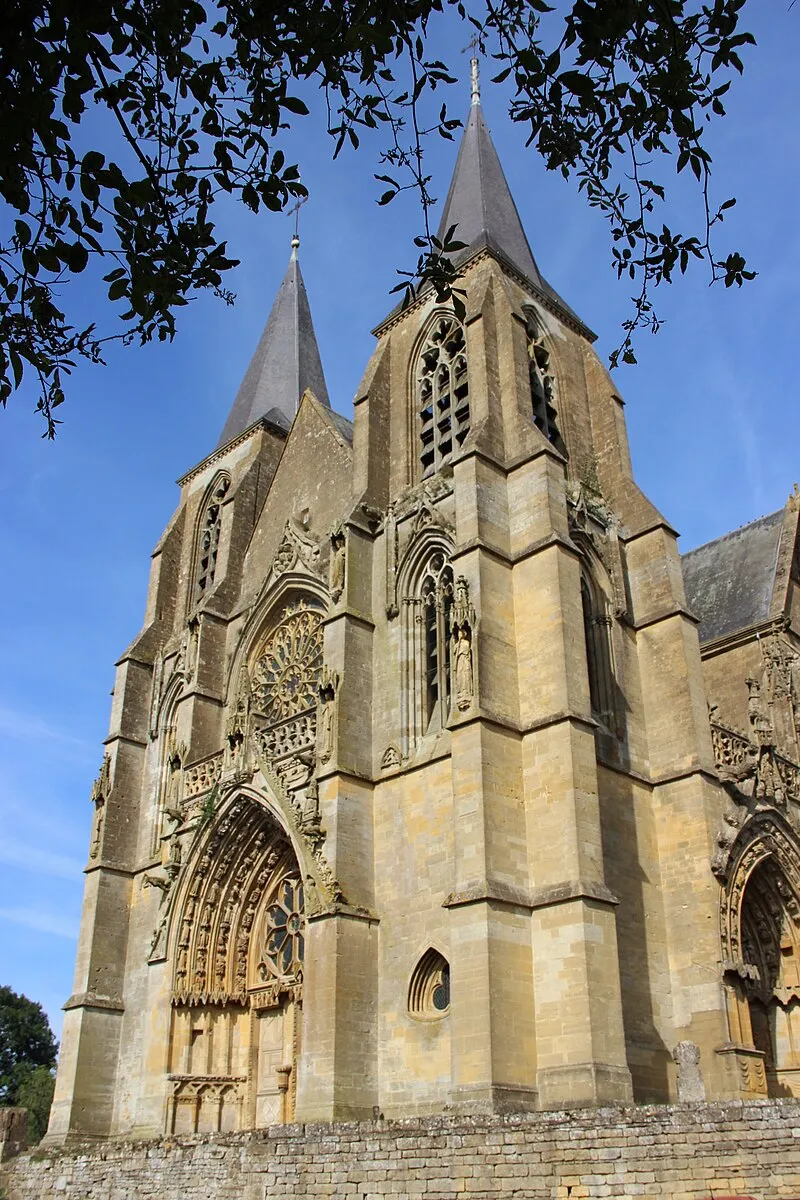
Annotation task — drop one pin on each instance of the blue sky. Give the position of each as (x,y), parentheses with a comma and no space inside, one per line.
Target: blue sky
(712,415)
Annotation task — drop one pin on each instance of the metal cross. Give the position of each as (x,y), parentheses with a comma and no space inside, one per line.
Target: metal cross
(296,210)
(474,44)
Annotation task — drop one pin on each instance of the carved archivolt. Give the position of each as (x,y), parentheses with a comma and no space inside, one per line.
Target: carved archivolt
(765,837)
(223,927)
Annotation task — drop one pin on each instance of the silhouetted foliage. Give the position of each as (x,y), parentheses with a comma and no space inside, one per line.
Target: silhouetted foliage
(124,120)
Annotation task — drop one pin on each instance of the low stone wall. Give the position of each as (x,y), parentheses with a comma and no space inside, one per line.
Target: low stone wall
(684,1152)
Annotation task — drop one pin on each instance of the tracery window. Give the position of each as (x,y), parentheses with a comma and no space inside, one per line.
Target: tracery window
(208,538)
(284,680)
(288,667)
(437,608)
(597,632)
(284,940)
(442,394)
(542,382)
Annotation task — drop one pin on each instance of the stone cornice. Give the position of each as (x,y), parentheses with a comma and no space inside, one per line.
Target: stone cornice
(570,320)
(673,610)
(218,455)
(95,1000)
(572,889)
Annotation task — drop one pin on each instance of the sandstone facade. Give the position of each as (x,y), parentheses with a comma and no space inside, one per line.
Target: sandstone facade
(422,793)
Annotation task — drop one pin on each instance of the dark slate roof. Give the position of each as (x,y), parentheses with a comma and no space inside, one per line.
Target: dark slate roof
(343,426)
(480,205)
(479,202)
(285,363)
(729,582)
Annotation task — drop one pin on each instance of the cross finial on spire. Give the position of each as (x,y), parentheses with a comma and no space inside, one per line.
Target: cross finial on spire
(474,44)
(296,235)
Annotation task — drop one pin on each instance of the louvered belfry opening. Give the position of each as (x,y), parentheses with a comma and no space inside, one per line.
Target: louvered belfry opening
(443,394)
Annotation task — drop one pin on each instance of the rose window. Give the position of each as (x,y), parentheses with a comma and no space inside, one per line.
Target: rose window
(285,922)
(287,671)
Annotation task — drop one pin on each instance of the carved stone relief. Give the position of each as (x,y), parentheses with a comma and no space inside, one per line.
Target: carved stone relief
(296,548)
(328,688)
(101,790)
(591,518)
(338,564)
(462,634)
(690,1077)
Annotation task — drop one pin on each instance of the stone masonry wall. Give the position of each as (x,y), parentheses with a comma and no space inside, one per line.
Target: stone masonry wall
(684,1152)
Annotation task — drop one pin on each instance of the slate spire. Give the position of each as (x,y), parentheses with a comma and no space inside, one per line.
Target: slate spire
(286,361)
(479,202)
(480,205)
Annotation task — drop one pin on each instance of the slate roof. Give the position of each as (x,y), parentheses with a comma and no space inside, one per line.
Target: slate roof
(479,202)
(729,582)
(480,205)
(286,362)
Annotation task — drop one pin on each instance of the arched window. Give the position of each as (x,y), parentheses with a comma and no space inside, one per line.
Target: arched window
(437,605)
(429,989)
(426,588)
(210,527)
(442,385)
(597,632)
(542,382)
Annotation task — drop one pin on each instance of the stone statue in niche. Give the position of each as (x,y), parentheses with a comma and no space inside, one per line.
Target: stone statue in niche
(462,626)
(338,563)
(101,789)
(690,1077)
(328,688)
(462,668)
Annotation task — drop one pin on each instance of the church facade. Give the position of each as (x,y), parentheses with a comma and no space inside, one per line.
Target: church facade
(436,781)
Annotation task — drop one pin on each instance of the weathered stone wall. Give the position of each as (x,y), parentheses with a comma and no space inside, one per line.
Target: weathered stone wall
(699,1152)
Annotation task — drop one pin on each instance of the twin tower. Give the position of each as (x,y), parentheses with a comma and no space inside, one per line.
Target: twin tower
(427,789)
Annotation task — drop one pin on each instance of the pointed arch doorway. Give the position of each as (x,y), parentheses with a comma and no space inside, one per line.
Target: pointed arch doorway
(771,945)
(761,942)
(237,997)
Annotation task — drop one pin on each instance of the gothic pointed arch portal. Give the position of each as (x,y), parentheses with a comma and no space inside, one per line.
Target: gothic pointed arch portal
(237,953)
(761,941)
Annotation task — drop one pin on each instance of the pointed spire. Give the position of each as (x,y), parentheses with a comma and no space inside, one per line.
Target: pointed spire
(479,202)
(480,205)
(286,361)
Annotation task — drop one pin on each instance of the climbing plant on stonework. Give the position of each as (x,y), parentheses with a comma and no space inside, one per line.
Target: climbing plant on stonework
(124,122)
(27,1059)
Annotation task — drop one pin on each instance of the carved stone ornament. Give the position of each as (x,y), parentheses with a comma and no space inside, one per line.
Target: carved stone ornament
(461,654)
(775,697)
(690,1077)
(296,548)
(591,519)
(391,758)
(338,564)
(101,790)
(328,688)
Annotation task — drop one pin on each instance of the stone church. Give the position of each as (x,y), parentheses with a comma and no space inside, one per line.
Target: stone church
(436,780)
